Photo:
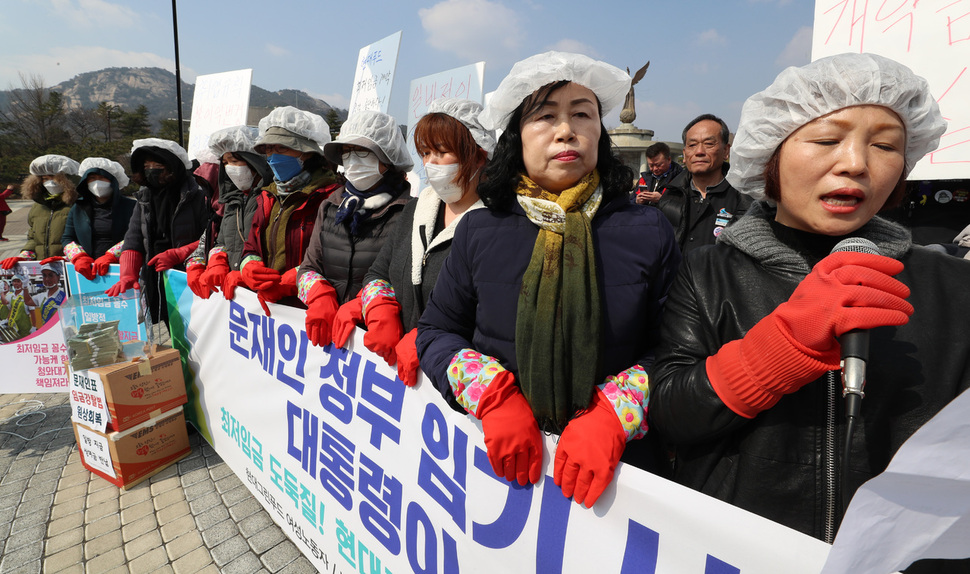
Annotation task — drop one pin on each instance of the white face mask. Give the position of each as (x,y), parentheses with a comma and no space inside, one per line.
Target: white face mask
(241,176)
(441,178)
(99,188)
(363,172)
(53,187)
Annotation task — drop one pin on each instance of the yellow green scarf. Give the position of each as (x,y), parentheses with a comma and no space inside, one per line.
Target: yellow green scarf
(557,330)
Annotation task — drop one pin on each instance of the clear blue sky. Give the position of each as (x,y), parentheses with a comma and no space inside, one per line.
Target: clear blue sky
(706,56)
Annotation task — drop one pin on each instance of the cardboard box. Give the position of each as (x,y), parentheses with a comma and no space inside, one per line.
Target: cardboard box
(134,391)
(129,457)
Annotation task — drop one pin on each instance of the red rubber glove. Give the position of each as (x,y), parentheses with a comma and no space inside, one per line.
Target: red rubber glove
(258,276)
(588,451)
(407,358)
(349,315)
(512,438)
(51,259)
(285,288)
(84,265)
(321,309)
(193,276)
(797,342)
(216,271)
(172,258)
(9,262)
(131,262)
(233,280)
(102,265)
(384,329)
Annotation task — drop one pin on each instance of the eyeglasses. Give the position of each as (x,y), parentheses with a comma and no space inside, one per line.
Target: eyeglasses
(357,151)
(270,149)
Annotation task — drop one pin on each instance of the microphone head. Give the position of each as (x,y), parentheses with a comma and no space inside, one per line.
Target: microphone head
(856,245)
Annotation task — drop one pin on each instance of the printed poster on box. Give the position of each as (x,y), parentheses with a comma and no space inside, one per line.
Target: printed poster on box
(366,475)
(32,348)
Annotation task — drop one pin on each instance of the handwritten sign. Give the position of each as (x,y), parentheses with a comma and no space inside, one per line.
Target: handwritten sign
(933,39)
(94,449)
(88,403)
(374,75)
(464,82)
(220,101)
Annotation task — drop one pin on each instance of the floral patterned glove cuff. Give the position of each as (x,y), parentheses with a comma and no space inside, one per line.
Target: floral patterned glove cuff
(469,375)
(628,393)
(305,283)
(116,249)
(72,250)
(374,291)
(28,255)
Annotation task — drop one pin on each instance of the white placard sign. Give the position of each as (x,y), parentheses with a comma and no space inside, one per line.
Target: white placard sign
(220,101)
(464,82)
(374,76)
(88,403)
(94,450)
(932,38)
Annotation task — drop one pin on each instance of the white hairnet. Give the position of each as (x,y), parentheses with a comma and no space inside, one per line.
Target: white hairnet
(167,145)
(112,167)
(53,164)
(375,131)
(297,122)
(800,95)
(229,140)
(466,112)
(609,83)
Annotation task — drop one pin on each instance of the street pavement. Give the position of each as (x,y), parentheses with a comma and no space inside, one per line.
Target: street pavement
(56,516)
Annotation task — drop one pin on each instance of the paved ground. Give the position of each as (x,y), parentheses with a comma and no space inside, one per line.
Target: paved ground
(56,516)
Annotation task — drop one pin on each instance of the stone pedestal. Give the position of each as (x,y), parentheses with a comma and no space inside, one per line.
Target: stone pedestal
(631,143)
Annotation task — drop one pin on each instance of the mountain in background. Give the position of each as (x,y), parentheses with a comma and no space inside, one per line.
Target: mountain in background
(155,89)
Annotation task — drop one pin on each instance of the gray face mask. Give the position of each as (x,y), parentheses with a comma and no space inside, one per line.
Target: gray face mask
(100,188)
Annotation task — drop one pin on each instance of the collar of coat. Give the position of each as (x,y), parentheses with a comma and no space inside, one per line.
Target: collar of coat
(753,236)
(425,215)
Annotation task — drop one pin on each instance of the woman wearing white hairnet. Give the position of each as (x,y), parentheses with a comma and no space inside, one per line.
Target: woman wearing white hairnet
(746,384)
(454,148)
(241,174)
(51,184)
(97,223)
(546,312)
(286,210)
(171,212)
(353,223)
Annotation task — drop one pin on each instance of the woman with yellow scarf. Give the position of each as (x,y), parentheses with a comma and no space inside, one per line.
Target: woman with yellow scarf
(546,313)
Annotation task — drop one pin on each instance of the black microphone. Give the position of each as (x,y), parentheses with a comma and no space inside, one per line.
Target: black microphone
(855,343)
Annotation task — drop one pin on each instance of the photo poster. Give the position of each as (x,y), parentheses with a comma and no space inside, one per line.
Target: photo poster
(366,475)
(932,39)
(374,75)
(127,309)
(464,83)
(32,348)
(220,101)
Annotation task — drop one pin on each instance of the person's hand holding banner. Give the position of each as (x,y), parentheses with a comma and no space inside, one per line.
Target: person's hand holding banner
(588,452)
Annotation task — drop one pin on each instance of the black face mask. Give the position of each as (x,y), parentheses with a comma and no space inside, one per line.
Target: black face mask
(153,177)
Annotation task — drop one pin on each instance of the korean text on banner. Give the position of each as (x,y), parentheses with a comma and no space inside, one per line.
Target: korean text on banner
(367,475)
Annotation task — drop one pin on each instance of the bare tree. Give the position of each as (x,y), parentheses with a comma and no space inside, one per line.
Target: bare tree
(35,115)
(83,123)
(107,112)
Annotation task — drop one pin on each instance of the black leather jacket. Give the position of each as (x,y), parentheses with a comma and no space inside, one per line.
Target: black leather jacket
(698,223)
(782,464)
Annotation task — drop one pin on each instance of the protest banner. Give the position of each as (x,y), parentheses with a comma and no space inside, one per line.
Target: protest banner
(929,37)
(464,83)
(366,475)
(374,75)
(32,349)
(220,101)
